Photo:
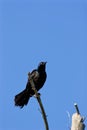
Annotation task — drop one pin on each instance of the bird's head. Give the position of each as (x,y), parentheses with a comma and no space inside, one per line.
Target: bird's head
(41,66)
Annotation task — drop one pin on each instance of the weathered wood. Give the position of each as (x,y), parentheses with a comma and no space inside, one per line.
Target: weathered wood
(77,120)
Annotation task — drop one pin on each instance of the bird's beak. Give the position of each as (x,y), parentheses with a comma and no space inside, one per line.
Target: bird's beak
(45,62)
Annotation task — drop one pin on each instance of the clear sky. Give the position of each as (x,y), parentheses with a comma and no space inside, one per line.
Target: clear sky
(43,30)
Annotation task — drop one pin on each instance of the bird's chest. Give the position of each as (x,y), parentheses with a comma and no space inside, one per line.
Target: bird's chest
(39,82)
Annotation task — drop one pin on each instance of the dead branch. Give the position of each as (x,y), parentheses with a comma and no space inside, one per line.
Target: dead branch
(39,101)
(77,120)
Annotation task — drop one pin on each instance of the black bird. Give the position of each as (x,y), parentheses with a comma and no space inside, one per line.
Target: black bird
(39,77)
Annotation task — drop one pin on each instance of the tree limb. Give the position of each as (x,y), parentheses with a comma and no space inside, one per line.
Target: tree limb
(39,101)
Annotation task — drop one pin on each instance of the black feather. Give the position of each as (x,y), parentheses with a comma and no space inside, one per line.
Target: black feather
(39,77)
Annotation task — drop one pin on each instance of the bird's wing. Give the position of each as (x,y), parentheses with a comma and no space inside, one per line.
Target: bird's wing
(34,75)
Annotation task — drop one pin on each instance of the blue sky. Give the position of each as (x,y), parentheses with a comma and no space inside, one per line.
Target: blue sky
(49,30)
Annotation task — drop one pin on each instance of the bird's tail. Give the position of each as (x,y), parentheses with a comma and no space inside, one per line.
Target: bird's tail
(22,98)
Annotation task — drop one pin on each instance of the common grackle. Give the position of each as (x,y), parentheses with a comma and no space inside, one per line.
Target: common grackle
(39,77)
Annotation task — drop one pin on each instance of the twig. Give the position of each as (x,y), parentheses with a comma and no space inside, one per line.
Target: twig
(77,109)
(39,101)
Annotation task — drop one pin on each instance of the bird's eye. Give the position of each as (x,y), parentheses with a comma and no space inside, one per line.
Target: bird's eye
(41,63)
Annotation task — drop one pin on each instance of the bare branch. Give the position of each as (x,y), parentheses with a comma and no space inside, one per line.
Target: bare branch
(77,120)
(77,109)
(39,101)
